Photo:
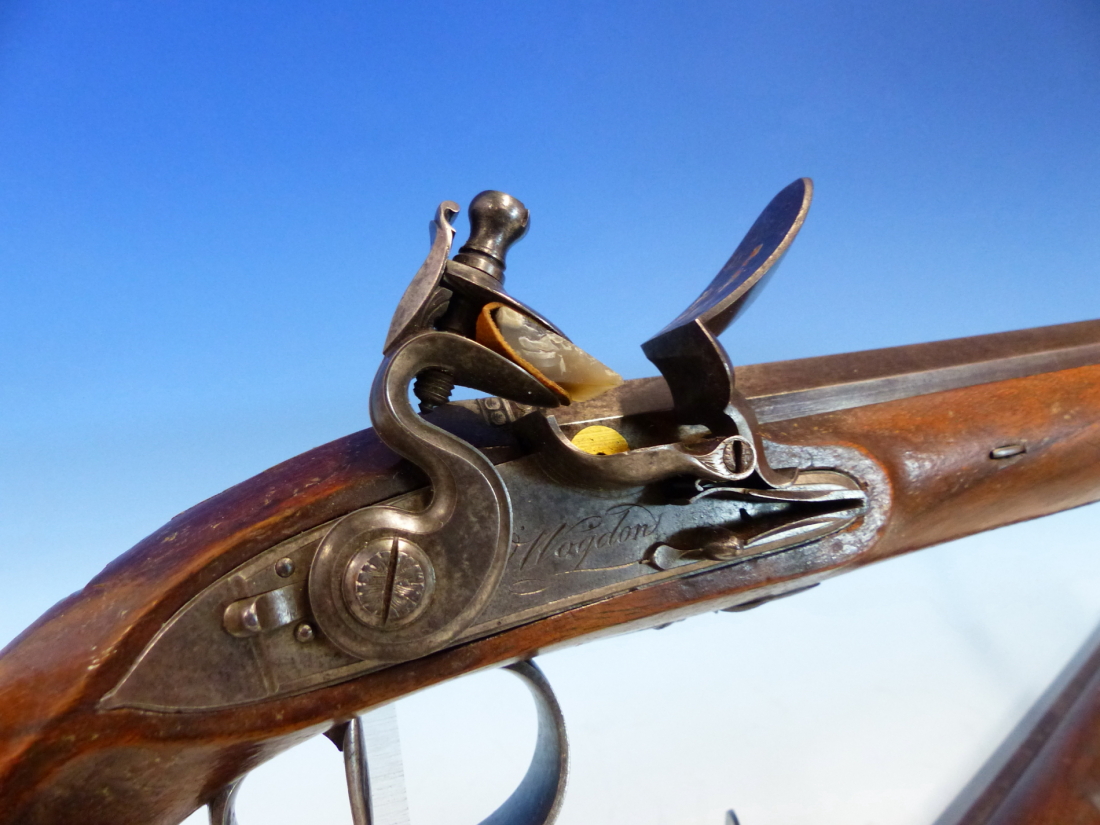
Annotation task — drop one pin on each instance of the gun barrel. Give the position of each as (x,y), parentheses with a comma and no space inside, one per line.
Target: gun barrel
(810,386)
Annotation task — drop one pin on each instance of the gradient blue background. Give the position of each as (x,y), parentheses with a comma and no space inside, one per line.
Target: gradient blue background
(209,211)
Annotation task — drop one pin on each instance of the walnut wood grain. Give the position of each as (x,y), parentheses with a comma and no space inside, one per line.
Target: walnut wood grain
(61,759)
(1047,772)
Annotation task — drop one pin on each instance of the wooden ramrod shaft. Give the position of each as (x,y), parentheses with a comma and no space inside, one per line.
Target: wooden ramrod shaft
(1048,770)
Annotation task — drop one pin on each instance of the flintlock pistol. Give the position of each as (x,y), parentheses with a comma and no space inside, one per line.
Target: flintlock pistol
(563,505)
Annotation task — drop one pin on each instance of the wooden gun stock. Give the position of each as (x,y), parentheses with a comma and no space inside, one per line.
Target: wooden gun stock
(944,463)
(1048,770)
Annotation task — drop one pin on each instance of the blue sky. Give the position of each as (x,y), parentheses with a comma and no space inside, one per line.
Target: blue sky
(210,210)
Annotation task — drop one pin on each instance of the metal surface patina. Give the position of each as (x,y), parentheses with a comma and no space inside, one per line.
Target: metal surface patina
(681,483)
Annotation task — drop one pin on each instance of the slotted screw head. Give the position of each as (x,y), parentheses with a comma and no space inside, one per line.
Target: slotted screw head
(388,583)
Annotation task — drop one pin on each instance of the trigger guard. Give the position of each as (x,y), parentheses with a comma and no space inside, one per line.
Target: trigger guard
(538,797)
(535,801)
